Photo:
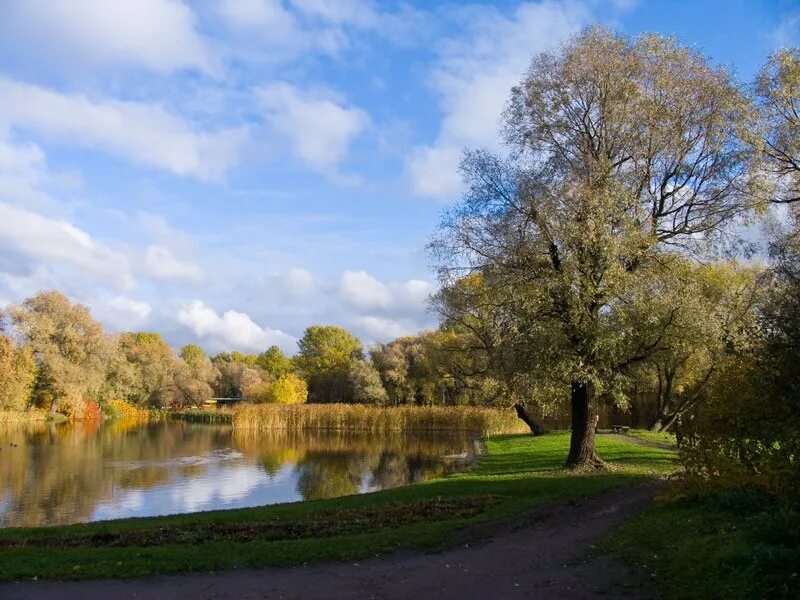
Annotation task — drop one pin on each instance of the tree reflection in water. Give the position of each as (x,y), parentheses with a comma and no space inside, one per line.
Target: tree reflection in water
(56,474)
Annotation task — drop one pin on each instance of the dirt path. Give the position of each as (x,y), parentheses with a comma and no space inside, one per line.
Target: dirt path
(545,554)
(637,441)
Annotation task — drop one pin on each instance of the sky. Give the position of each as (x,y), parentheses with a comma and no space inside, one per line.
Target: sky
(229,172)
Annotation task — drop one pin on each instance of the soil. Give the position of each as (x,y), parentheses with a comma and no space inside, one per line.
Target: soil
(546,553)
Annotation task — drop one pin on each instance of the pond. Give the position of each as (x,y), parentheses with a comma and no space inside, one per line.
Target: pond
(58,474)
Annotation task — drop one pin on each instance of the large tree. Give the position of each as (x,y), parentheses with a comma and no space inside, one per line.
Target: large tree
(619,149)
(69,348)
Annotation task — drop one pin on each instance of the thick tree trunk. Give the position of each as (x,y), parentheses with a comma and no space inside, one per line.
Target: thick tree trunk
(581,445)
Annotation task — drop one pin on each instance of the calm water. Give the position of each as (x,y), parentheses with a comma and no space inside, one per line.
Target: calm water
(52,475)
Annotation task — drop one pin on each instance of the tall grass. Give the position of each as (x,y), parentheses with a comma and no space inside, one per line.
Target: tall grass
(377,420)
(206,417)
(20,416)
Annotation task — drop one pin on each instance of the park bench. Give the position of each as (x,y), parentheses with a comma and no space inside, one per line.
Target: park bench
(619,428)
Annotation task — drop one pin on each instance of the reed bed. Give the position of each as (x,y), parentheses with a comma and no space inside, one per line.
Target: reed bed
(206,417)
(376,420)
(20,416)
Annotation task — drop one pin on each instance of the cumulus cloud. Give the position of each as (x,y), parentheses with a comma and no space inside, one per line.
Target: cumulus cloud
(161,262)
(37,239)
(362,290)
(144,133)
(232,330)
(298,282)
(159,35)
(382,329)
(318,125)
(473,78)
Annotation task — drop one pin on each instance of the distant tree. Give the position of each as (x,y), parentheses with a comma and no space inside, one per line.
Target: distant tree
(17,375)
(366,383)
(195,377)
(324,359)
(275,362)
(778,95)
(154,365)
(238,380)
(69,349)
(620,149)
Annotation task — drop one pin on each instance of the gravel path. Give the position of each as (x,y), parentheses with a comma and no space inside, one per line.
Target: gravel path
(544,554)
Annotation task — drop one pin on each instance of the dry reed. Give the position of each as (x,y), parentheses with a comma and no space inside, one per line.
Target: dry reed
(377,420)
(20,416)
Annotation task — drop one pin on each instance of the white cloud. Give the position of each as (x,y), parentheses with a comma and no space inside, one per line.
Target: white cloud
(23,169)
(473,78)
(232,330)
(362,290)
(381,329)
(318,125)
(161,262)
(43,240)
(359,13)
(135,308)
(159,35)
(299,282)
(144,133)
(119,313)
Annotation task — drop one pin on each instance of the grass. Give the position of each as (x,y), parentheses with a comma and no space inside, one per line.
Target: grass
(726,545)
(376,419)
(518,472)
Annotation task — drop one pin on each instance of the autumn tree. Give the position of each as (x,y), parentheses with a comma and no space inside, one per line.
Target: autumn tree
(325,355)
(702,315)
(17,374)
(778,95)
(154,365)
(619,149)
(194,377)
(366,384)
(68,346)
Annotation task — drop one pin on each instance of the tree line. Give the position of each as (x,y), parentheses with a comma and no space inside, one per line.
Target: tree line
(55,356)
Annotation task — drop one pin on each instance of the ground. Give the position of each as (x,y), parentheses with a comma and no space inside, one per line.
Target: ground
(492,549)
(547,553)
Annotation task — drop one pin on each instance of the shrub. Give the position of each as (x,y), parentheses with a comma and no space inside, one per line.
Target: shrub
(288,389)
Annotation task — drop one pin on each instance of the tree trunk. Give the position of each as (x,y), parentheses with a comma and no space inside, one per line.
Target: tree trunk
(581,445)
(523,414)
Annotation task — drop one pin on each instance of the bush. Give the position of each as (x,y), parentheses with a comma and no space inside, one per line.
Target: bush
(288,389)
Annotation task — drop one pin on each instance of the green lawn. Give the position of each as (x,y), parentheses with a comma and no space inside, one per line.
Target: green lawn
(516,473)
(727,545)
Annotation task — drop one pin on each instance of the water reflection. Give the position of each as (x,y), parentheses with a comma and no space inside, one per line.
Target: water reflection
(57,474)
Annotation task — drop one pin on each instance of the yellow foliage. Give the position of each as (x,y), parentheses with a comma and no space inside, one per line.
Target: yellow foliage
(288,389)
(120,409)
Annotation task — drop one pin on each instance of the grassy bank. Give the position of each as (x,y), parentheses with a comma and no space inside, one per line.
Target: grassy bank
(377,420)
(518,472)
(726,545)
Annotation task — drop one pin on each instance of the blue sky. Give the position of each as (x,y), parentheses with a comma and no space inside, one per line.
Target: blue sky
(229,172)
